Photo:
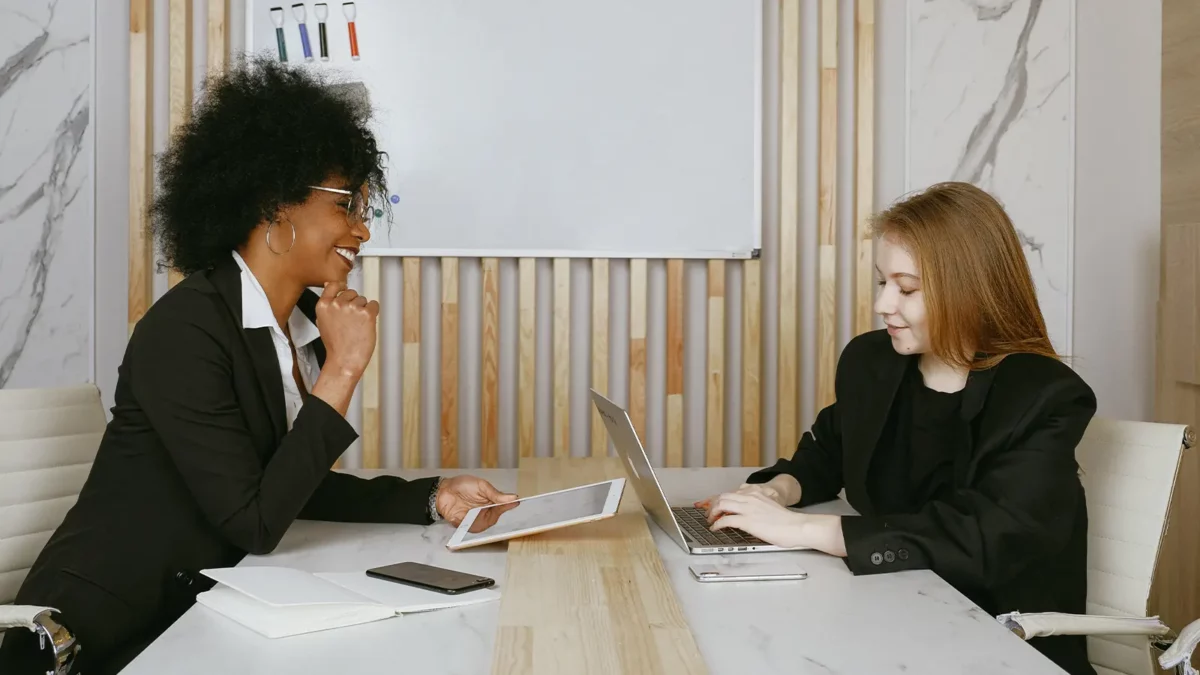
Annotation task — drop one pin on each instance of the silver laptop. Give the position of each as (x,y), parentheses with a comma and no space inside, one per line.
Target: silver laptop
(687,525)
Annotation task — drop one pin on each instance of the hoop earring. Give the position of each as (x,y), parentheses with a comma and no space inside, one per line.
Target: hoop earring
(289,248)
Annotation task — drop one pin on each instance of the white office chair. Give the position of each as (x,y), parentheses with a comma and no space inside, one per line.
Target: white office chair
(1129,471)
(48,440)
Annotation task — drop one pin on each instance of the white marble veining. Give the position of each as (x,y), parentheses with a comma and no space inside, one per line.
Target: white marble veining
(833,623)
(990,91)
(46,213)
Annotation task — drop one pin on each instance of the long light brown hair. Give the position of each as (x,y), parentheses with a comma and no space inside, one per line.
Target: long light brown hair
(979,293)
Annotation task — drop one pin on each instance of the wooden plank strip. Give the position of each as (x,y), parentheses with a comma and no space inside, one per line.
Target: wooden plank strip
(141,157)
(218,36)
(411,406)
(827,208)
(714,454)
(674,455)
(490,361)
(370,380)
(562,357)
(449,363)
(599,351)
(637,346)
(864,164)
(789,229)
(180,76)
(593,598)
(751,362)
(527,271)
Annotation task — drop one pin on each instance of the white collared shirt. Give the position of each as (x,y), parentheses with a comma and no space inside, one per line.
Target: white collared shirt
(256,313)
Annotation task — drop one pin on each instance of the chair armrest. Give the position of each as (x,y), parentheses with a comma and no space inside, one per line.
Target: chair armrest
(22,616)
(1053,623)
(1180,652)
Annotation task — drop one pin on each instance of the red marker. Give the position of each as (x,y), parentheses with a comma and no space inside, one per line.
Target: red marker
(349,11)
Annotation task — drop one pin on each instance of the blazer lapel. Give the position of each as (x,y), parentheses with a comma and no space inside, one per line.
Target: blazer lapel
(979,383)
(227,278)
(877,405)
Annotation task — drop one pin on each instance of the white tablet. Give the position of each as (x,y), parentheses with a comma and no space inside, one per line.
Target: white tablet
(539,513)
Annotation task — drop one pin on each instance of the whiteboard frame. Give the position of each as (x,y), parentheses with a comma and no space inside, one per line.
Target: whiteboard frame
(753,254)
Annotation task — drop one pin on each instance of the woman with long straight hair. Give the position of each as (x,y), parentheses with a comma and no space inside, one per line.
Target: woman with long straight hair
(954,429)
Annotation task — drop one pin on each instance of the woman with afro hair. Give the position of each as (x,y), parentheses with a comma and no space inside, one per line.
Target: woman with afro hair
(232,395)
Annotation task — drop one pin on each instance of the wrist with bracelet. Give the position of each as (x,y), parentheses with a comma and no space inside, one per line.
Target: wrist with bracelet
(434,516)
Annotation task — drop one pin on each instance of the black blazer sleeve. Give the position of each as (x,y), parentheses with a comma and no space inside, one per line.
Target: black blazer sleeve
(181,375)
(816,464)
(386,499)
(1020,507)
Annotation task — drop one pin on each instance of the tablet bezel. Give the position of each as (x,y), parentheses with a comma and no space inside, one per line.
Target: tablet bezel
(612,501)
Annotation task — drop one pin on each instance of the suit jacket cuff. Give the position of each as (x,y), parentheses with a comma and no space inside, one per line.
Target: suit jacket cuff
(795,470)
(873,547)
(319,419)
(411,501)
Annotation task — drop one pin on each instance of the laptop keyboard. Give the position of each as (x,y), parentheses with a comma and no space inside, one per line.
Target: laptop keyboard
(694,522)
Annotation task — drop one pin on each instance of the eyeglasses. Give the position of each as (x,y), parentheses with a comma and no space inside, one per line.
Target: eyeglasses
(357,208)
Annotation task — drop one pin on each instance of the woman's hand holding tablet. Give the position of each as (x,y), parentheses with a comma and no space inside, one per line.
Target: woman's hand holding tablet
(538,513)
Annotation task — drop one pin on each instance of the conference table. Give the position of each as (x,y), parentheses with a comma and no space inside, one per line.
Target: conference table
(832,622)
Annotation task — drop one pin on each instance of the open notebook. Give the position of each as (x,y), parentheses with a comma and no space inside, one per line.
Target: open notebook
(281,601)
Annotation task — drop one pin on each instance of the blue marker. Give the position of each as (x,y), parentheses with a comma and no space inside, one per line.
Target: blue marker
(298,12)
(277,19)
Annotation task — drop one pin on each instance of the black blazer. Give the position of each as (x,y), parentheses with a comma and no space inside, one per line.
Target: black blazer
(197,469)
(1012,535)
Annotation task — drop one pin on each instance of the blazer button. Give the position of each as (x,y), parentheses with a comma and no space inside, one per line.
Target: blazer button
(876,558)
(904,554)
(183,578)
(889,556)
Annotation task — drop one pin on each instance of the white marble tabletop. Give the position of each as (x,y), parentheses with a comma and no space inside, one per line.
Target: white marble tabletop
(831,623)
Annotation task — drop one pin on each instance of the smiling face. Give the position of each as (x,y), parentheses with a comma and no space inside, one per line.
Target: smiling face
(900,299)
(327,239)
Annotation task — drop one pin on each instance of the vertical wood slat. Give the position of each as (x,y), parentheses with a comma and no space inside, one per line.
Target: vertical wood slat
(600,309)
(141,160)
(637,346)
(789,228)
(411,404)
(714,454)
(180,76)
(490,362)
(218,35)
(527,319)
(674,456)
(449,363)
(370,379)
(827,207)
(864,162)
(751,364)
(562,357)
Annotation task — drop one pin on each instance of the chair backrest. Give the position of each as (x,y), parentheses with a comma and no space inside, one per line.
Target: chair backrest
(1128,472)
(48,440)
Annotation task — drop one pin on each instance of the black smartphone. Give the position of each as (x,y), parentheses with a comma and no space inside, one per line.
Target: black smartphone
(431,578)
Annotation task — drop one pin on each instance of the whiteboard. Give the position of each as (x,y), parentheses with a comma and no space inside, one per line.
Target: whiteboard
(555,128)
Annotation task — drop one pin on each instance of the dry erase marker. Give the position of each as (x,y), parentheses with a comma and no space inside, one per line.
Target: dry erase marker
(301,18)
(322,11)
(277,19)
(349,11)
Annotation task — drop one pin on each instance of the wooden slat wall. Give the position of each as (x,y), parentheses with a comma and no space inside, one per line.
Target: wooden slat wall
(180,79)
(789,227)
(736,309)
(141,160)
(826,209)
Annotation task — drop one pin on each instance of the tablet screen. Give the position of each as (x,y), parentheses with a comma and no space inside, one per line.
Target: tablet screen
(538,511)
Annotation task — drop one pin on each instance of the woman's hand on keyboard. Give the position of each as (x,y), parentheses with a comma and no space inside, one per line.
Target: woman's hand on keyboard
(760,516)
(769,490)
